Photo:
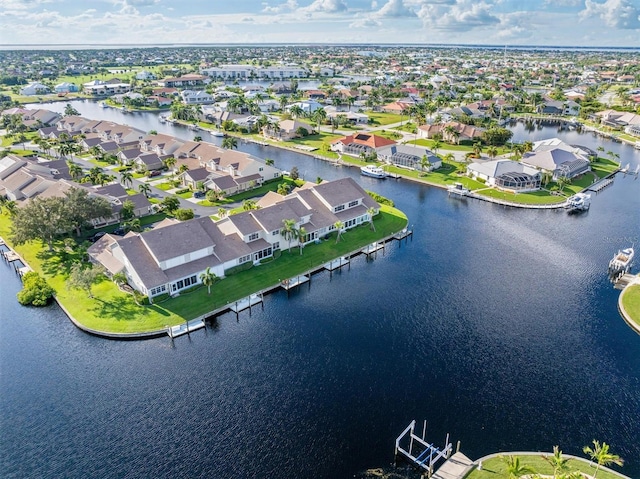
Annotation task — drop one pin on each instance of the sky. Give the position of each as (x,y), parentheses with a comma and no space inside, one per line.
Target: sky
(609,23)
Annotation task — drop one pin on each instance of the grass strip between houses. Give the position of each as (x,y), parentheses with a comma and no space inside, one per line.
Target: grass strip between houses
(113,311)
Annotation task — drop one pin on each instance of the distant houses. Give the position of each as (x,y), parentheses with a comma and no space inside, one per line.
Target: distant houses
(360,144)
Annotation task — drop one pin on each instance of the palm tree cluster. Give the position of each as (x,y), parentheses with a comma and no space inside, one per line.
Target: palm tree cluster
(599,454)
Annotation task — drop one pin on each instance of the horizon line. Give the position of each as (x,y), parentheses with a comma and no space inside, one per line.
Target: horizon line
(328,44)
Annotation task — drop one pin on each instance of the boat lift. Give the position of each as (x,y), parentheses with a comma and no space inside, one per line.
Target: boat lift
(427,454)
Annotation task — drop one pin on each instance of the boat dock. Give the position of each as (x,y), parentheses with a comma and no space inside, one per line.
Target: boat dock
(185,328)
(403,235)
(598,186)
(247,303)
(337,263)
(418,451)
(13,259)
(373,248)
(288,284)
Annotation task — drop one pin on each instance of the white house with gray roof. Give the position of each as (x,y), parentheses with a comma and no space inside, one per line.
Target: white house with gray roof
(507,175)
(408,156)
(172,256)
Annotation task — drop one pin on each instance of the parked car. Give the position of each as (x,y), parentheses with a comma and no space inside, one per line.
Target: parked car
(154,173)
(97,236)
(199,194)
(119,231)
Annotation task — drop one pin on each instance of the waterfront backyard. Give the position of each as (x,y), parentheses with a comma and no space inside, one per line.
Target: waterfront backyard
(114,311)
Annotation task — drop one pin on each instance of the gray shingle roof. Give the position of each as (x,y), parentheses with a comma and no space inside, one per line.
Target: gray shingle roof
(177,240)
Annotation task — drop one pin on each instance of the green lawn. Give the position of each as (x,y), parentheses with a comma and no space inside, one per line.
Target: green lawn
(389,134)
(449,146)
(381,118)
(540,197)
(495,468)
(631,302)
(165,186)
(114,311)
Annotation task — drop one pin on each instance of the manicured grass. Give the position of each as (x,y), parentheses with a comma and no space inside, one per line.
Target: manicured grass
(389,134)
(540,197)
(164,186)
(186,195)
(114,311)
(631,302)
(443,145)
(381,118)
(495,468)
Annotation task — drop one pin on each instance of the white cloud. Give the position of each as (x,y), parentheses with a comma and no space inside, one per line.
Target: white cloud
(326,6)
(463,15)
(288,6)
(366,22)
(614,13)
(395,8)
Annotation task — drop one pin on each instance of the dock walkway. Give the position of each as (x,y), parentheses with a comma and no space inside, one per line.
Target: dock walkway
(185,328)
(456,467)
(246,303)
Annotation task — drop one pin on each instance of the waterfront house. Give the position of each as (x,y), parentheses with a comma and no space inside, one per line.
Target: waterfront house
(452,131)
(507,175)
(196,97)
(287,130)
(35,88)
(560,160)
(66,87)
(409,156)
(360,143)
(172,256)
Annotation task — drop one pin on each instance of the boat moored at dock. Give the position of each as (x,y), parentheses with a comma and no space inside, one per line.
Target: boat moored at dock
(373,171)
(579,202)
(458,189)
(621,262)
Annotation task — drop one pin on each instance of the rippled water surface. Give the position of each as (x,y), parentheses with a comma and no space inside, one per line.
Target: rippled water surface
(496,325)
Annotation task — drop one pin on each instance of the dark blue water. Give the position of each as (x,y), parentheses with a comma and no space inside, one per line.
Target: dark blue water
(496,325)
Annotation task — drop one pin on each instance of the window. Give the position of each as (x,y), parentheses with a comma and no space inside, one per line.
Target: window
(338,208)
(275,233)
(353,203)
(276,245)
(254,236)
(260,169)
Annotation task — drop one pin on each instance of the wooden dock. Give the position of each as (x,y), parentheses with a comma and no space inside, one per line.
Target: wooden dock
(404,234)
(456,467)
(337,263)
(598,186)
(185,328)
(373,248)
(246,303)
(289,284)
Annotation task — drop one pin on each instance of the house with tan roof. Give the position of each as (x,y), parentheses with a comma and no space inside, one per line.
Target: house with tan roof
(172,256)
(452,131)
(287,130)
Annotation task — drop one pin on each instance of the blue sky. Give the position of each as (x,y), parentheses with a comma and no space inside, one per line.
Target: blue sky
(499,22)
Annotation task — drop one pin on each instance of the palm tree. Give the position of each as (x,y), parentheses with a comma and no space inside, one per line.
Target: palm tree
(371,212)
(436,146)
(248,205)
(562,182)
(169,162)
(126,178)
(75,170)
(477,149)
(296,111)
(556,461)
(449,157)
(492,151)
(268,161)
(208,278)
(222,212)
(302,234)
(425,164)
(289,231)
(284,99)
(229,143)
(514,468)
(600,149)
(338,225)
(319,116)
(600,454)
(145,189)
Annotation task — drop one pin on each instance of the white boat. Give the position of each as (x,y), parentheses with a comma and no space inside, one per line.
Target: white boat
(579,202)
(636,145)
(373,171)
(458,189)
(162,119)
(621,262)
(194,127)
(217,133)
(102,104)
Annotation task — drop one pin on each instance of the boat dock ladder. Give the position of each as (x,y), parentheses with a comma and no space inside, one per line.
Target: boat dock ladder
(427,454)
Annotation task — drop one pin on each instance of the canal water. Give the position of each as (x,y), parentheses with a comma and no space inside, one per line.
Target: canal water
(496,325)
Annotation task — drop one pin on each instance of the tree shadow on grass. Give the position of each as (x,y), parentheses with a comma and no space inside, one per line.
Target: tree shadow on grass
(119,309)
